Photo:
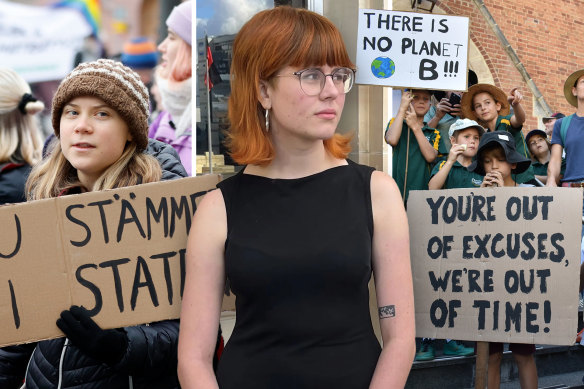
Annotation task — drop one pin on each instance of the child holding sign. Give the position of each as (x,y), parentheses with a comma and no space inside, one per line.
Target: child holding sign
(100,117)
(498,160)
(452,173)
(491,108)
(416,148)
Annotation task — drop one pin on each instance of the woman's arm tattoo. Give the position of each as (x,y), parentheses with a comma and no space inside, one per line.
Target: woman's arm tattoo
(387,311)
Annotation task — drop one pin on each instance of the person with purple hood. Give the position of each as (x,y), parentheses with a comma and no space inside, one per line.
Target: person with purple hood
(174,80)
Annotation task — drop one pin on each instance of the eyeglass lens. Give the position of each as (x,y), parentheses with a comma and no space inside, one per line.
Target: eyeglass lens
(312,81)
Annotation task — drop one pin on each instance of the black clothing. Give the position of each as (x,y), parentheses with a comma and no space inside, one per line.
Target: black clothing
(298,258)
(12,180)
(150,362)
(168,158)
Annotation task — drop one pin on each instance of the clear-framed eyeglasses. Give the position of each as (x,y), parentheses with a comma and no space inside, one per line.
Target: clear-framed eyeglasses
(312,80)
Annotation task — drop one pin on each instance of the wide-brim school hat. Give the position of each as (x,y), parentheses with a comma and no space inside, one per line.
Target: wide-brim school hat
(506,141)
(497,93)
(569,84)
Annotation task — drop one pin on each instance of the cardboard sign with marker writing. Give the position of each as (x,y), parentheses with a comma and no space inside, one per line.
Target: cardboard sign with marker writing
(496,264)
(119,253)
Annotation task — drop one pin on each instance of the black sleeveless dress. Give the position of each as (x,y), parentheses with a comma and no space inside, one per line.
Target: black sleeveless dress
(298,258)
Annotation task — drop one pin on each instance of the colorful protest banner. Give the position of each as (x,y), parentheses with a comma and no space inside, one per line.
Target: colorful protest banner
(40,42)
(496,264)
(413,50)
(119,253)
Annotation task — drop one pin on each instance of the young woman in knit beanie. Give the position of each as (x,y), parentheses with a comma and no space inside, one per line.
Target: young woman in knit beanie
(20,137)
(99,115)
(174,81)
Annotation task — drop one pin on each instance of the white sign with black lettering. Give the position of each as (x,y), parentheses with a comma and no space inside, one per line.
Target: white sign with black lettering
(412,50)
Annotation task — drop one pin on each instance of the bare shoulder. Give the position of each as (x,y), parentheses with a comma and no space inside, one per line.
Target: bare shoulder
(383,188)
(212,202)
(211,210)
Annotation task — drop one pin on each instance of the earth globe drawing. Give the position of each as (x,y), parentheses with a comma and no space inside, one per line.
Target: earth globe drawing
(382,67)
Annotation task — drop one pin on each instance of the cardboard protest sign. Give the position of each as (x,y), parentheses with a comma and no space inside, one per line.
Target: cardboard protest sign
(496,264)
(414,50)
(119,253)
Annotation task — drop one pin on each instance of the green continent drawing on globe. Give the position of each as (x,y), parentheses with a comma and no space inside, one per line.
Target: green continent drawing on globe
(382,67)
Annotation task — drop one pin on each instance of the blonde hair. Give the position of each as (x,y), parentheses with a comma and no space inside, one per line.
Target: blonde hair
(20,137)
(55,174)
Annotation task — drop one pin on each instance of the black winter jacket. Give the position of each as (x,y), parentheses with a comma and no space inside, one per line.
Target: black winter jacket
(150,362)
(169,160)
(12,179)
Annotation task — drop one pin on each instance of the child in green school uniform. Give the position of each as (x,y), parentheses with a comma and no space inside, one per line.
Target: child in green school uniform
(540,149)
(491,108)
(452,171)
(449,173)
(500,163)
(415,145)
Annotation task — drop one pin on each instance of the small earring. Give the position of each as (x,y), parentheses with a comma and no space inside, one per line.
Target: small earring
(267,120)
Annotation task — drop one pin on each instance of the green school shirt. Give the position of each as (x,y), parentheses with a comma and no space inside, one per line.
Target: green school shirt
(418,169)
(458,176)
(540,169)
(504,124)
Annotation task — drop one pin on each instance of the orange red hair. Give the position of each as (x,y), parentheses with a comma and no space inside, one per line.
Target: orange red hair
(269,41)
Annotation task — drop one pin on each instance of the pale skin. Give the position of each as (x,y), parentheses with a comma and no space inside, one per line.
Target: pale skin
(413,106)
(464,148)
(498,173)
(298,127)
(497,169)
(538,147)
(549,126)
(487,109)
(555,164)
(93,137)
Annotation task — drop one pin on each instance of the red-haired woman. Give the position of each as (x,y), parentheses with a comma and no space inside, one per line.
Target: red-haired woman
(174,82)
(298,232)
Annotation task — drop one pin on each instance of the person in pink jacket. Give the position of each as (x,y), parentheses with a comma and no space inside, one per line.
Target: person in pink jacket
(174,80)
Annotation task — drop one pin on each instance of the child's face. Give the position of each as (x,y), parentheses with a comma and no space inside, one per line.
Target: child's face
(469,137)
(485,106)
(538,145)
(93,136)
(578,90)
(421,102)
(495,160)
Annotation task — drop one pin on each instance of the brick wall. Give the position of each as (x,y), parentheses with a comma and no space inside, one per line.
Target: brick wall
(547,37)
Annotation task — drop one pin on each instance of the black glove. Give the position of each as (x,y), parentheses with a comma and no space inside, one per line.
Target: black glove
(108,346)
